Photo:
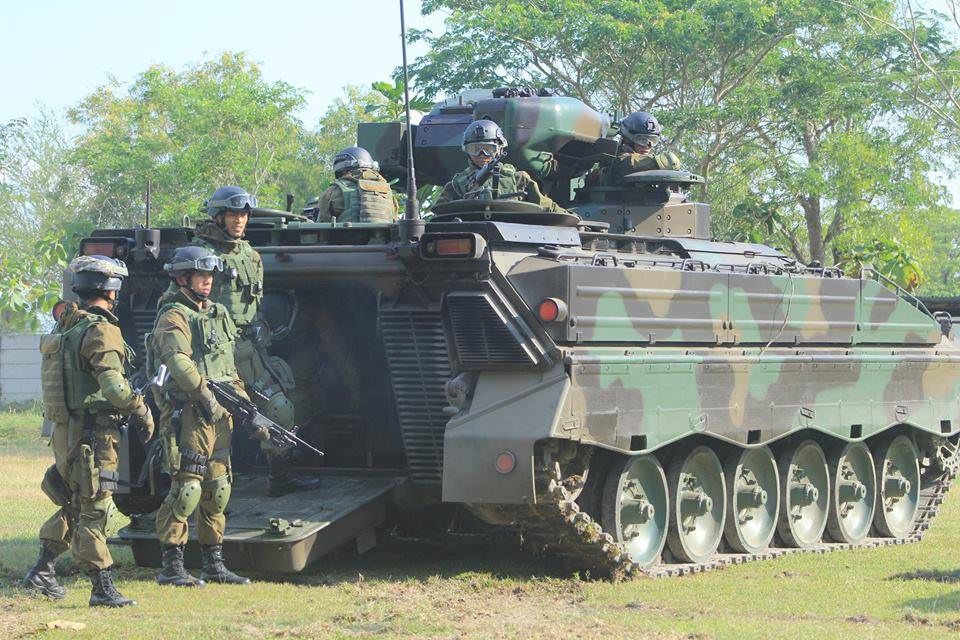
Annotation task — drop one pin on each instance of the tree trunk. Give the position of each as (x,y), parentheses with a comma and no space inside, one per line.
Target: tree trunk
(811,212)
(811,202)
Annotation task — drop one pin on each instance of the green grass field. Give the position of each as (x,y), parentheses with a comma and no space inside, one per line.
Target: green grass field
(477,588)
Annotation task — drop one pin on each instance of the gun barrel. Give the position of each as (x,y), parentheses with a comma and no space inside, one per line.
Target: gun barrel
(237,404)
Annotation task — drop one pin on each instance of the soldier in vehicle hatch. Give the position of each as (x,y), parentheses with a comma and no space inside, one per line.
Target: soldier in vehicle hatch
(239,287)
(194,337)
(484,143)
(359,193)
(640,133)
(86,396)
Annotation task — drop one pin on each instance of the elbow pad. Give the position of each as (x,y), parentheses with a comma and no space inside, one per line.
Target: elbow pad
(117,391)
(184,373)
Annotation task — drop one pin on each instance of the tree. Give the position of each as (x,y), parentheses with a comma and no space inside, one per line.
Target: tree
(41,197)
(391,106)
(795,112)
(217,122)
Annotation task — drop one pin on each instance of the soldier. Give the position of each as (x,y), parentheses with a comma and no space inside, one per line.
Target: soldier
(194,338)
(484,142)
(639,134)
(359,193)
(86,395)
(239,287)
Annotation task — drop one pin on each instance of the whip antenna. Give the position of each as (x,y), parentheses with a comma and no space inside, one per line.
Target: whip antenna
(411,226)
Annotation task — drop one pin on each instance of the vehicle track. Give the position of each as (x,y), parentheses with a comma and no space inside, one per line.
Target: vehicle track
(562,528)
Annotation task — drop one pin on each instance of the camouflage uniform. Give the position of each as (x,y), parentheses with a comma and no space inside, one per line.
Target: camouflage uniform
(239,288)
(359,195)
(510,181)
(93,395)
(195,341)
(628,162)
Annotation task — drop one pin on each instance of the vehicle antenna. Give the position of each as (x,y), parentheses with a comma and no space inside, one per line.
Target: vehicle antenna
(149,189)
(411,226)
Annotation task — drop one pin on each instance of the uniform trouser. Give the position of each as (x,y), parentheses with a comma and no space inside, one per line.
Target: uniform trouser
(201,483)
(260,380)
(89,474)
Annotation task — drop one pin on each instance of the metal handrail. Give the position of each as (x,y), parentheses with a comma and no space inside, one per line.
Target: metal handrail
(867,270)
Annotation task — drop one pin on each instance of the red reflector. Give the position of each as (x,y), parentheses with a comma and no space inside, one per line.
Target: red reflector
(505,462)
(99,249)
(455,247)
(552,310)
(549,310)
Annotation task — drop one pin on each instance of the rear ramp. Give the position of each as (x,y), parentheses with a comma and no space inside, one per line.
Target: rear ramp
(284,534)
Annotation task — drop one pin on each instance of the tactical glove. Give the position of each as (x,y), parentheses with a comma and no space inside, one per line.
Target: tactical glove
(142,420)
(212,410)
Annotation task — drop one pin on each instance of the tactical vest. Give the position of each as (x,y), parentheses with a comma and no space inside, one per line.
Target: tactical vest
(366,199)
(507,183)
(66,386)
(239,287)
(212,334)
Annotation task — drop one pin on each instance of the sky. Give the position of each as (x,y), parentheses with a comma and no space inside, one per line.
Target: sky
(55,52)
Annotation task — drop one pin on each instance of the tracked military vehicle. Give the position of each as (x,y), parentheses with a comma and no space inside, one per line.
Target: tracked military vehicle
(635,396)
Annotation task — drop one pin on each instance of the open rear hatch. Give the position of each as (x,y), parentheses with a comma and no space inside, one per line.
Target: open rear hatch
(284,534)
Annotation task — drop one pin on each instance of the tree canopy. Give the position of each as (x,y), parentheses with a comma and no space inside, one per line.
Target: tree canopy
(800,115)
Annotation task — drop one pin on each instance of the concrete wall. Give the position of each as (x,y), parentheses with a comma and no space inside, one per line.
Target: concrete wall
(19,367)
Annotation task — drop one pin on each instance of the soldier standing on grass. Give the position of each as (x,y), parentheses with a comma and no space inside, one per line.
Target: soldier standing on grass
(239,288)
(86,396)
(194,337)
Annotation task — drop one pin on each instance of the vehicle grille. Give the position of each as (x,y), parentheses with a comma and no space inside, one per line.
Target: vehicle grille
(483,335)
(143,320)
(419,368)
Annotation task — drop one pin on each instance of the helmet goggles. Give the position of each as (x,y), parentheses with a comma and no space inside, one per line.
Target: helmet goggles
(206,263)
(648,139)
(237,202)
(488,149)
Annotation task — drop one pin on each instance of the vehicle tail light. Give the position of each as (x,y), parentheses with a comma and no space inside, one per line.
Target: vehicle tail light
(98,248)
(455,247)
(452,245)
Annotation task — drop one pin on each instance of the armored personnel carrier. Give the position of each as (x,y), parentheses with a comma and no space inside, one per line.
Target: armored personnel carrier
(637,397)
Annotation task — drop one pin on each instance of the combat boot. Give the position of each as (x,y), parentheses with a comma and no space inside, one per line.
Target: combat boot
(104,593)
(280,481)
(42,579)
(213,568)
(172,570)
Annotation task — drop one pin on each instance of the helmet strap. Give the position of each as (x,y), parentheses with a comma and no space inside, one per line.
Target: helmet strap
(191,294)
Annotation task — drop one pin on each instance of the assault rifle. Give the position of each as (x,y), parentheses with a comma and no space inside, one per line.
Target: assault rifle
(246,412)
(158,381)
(484,173)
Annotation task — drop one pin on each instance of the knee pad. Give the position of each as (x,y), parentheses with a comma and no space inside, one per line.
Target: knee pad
(101,515)
(55,488)
(185,500)
(216,494)
(279,409)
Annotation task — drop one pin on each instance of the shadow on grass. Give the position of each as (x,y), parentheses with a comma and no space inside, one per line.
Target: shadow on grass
(930,575)
(498,556)
(946,604)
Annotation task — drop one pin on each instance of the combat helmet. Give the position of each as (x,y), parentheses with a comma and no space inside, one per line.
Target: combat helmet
(192,258)
(353,158)
(230,198)
(641,127)
(483,137)
(97,273)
